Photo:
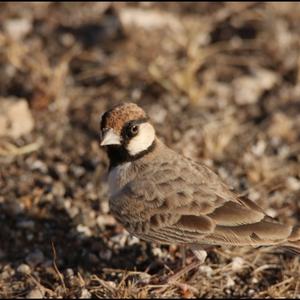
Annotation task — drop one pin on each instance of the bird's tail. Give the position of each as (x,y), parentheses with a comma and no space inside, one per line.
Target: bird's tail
(293,241)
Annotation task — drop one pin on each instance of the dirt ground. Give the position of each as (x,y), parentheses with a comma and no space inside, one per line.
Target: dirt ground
(221,83)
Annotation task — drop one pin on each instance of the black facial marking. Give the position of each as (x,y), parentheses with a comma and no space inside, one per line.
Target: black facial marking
(130,130)
(118,154)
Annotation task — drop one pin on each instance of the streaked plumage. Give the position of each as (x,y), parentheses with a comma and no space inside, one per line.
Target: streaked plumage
(162,196)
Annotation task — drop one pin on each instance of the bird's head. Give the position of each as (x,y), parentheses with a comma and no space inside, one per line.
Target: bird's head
(126,132)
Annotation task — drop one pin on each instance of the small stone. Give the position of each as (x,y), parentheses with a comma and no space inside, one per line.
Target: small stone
(67,39)
(271,212)
(36,293)
(251,292)
(17,28)
(73,211)
(105,254)
(120,239)
(15,117)
(144,278)
(149,20)
(230,282)
(104,207)
(157,252)
(58,189)
(69,272)
(26,224)
(206,270)
(293,183)
(61,168)
(7,272)
(29,237)
(111,284)
(24,269)
(69,277)
(84,229)
(78,170)
(237,264)
(15,207)
(132,240)
(254,280)
(93,259)
(157,113)
(259,148)
(254,195)
(35,258)
(85,294)
(38,165)
(105,220)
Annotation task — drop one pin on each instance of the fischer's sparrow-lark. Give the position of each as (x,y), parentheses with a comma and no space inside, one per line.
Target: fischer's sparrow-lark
(161,196)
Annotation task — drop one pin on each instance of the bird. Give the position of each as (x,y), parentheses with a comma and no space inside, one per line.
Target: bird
(161,196)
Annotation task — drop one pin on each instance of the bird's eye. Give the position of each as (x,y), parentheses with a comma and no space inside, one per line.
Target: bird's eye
(134,129)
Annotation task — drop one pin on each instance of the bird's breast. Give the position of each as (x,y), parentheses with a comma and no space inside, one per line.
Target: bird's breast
(118,177)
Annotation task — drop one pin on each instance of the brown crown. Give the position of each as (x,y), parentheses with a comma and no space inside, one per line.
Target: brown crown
(119,115)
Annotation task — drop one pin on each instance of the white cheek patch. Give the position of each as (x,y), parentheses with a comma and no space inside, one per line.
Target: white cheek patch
(143,140)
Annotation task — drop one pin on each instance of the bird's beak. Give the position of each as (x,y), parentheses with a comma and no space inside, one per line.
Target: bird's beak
(110,138)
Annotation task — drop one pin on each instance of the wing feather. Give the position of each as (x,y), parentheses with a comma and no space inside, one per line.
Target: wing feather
(185,202)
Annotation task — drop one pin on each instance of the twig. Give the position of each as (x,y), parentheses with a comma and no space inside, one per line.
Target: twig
(56,268)
(9,149)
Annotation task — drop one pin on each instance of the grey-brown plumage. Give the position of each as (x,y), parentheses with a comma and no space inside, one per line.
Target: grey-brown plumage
(164,197)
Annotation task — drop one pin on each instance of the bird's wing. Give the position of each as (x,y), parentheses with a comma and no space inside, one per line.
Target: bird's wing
(184,202)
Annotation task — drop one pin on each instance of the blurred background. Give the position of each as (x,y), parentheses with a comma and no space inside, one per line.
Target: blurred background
(221,83)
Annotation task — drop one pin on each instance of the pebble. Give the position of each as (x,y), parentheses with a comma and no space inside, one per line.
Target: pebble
(157,113)
(254,280)
(106,254)
(7,272)
(259,148)
(24,269)
(39,165)
(105,220)
(206,270)
(69,273)
(61,168)
(111,284)
(230,282)
(157,252)
(132,240)
(58,189)
(104,207)
(92,259)
(67,39)
(293,183)
(144,278)
(84,229)
(251,292)
(237,264)
(35,258)
(271,212)
(36,293)
(85,294)
(26,224)
(17,28)
(15,208)
(77,170)
(15,117)
(120,239)
(254,195)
